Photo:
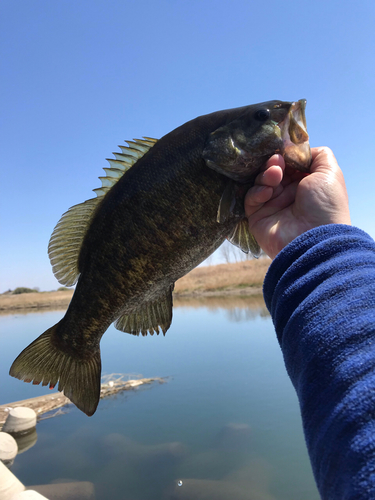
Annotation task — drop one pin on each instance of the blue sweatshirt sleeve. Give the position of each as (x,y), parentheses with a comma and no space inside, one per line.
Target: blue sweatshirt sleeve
(320,291)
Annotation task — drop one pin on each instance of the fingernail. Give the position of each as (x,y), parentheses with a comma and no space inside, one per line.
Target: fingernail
(275,159)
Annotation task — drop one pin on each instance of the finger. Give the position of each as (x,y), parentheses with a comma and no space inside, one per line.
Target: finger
(266,185)
(275,159)
(272,172)
(323,160)
(320,151)
(256,197)
(284,199)
(270,177)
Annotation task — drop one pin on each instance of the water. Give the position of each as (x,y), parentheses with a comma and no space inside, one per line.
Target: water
(225,426)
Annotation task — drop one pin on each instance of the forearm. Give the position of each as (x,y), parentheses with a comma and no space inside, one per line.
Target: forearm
(320,291)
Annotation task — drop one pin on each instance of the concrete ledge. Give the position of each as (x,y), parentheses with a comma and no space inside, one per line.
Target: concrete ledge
(79,490)
(28,495)
(9,484)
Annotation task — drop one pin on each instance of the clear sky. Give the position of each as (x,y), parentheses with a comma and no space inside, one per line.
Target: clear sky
(80,77)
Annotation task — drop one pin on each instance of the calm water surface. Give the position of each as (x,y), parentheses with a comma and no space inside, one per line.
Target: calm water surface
(226,424)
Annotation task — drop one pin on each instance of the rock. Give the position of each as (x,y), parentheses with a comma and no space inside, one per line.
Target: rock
(8,447)
(20,420)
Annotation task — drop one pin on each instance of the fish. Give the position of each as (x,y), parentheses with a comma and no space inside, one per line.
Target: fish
(164,206)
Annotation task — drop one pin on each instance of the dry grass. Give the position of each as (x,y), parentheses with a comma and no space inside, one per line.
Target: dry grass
(214,302)
(225,279)
(35,301)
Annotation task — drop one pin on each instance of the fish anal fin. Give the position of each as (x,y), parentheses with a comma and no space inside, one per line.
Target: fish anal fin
(149,318)
(243,239)
(43,361)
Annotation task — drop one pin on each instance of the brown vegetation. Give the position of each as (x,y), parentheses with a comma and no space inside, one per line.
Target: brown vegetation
(241,278)
(35,301)
(214,302)
(225,278)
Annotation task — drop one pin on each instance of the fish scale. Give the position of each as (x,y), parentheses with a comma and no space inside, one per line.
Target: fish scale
(164,206)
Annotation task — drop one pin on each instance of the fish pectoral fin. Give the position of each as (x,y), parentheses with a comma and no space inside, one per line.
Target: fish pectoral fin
(149,317)
(243,239)
(227,203)
(44,362)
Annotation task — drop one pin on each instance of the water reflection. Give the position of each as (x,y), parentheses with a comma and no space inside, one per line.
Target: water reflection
(26,441)
(224,471)
(238,308)
(15,313)
(143,471)
(126,468)
(233,436)
(226,427)
(66,490)
(248,483)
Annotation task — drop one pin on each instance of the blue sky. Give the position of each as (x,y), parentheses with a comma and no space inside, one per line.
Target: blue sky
(80,77)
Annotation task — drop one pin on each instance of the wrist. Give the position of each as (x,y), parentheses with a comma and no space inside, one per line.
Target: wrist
(305,252)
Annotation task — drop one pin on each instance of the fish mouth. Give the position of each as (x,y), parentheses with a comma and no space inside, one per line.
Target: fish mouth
(296,148)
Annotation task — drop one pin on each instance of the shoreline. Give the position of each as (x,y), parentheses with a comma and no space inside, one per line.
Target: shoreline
(224,280)
(50,301)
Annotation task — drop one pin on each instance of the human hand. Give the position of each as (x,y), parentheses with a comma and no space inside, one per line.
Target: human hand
(285,203)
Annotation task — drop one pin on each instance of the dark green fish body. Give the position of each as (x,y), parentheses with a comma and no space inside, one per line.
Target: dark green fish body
(150,225)
(135,252)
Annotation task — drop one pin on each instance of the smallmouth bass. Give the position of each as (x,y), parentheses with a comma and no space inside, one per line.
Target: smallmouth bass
(164,206)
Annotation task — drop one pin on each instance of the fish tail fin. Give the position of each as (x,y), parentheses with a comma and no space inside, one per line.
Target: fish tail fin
(46,361)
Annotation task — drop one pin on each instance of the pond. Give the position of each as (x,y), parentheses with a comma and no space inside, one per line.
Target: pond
(225,426)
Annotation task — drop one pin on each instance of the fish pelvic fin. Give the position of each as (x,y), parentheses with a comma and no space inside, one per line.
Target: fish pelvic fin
(43,361)
(149,317)
(243,239)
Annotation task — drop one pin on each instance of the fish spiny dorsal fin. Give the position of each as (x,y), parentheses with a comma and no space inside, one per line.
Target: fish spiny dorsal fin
(67,237)
(123,161)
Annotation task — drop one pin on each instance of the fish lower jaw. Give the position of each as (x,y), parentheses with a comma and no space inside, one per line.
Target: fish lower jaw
(296,148)
(298,156)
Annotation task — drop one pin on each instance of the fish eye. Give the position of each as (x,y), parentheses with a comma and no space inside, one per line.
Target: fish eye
(262,115)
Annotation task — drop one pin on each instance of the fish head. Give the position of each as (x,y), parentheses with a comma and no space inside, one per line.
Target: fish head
(253,134)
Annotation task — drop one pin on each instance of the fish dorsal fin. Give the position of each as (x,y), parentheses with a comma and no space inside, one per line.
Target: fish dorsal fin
(243,239)
(67,237)
(123,161)
(149,317)
(66,241)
